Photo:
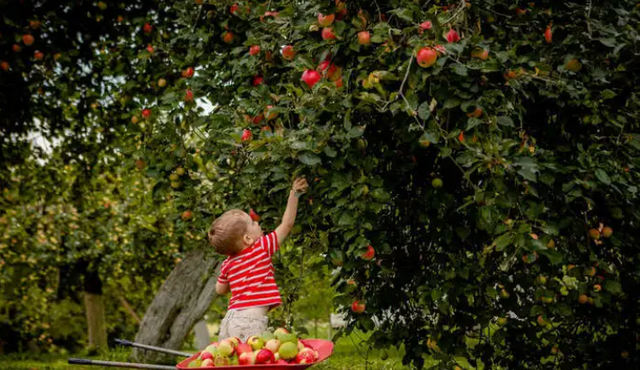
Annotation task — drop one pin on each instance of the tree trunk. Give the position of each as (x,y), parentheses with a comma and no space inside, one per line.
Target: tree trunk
(96,321)
(182,301)
(94,308)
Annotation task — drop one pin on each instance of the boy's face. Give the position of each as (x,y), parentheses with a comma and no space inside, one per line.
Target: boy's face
(254,231)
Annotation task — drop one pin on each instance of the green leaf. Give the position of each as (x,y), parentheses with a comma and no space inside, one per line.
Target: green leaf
(549,228)
(346,219)
(330,152)
(423,111)
(309,159)
(529,168)
(356,131)
(603,177)
(451,103)
(612,286)
(553,256)
(607,94)
(472,122)
(503,241)
(405,14)
(610,42)
(505,121)
(429,136)
(460,69)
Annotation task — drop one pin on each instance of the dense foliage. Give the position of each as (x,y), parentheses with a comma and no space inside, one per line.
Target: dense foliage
(494,173)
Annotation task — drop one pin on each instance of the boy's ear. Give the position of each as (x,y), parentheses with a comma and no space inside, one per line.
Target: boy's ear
(247,239)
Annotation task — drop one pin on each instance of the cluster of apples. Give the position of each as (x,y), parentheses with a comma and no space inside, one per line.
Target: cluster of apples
(279,347)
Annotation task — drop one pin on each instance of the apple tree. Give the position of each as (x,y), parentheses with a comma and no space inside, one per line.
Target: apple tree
(487,152)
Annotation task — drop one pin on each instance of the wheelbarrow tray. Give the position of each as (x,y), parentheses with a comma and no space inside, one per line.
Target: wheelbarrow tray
(324,348)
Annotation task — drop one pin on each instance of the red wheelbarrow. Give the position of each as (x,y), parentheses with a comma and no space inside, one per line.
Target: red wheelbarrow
(324,348)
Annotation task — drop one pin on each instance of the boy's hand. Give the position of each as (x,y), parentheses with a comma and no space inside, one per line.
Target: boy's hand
(300,186)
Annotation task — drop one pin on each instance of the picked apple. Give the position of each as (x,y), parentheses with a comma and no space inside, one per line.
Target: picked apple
(288,351)
(247,358)
(225,348)
(221,361)
(242,348)
(272,345)
(207,363)
(255,342)
(205,355)
(265,357)
(306,356)
(280,331)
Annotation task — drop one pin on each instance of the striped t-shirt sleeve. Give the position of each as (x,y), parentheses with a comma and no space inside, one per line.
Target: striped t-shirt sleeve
(269,243)
(223,278)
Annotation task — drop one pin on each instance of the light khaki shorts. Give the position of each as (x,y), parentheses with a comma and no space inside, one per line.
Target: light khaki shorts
(242,325)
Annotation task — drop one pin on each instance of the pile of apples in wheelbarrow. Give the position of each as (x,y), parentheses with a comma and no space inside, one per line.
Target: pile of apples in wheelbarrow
(279,350)
(279,347)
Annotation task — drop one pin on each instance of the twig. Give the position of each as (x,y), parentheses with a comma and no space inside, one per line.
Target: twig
(197,19)
(497,13)
(406,75)
(458,11)
(589,17)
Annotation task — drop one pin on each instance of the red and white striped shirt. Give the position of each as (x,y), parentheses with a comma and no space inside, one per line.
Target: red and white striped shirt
(250,275)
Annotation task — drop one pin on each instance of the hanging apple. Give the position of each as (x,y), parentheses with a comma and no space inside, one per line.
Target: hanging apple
(364,38)
(325,20)
(310,77)
(426,57)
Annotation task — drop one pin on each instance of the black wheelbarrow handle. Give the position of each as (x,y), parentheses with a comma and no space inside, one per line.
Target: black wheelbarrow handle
(152,348)
(82,361)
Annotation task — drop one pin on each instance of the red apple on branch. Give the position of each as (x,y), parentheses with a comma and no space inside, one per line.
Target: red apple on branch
(246,135)
(28,39)
(452,36)
(358,307)
(257,80)
(369,254)
(325,20)
(364,38)
(188,73)
(188,96)
(327,34)
(254,50)
(288,53)
(426,57)
(310,77)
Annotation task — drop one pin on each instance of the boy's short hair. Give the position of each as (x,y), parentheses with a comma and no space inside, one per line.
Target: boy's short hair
(227,231)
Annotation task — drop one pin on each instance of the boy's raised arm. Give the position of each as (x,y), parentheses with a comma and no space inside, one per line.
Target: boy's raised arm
(222,289)
(288,219)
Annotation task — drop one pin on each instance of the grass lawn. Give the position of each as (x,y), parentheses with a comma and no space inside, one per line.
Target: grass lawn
(347,355)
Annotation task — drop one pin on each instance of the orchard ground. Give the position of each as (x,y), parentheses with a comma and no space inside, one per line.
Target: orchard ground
(348,354)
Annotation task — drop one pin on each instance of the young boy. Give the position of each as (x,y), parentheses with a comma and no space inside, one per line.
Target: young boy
(248,272)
